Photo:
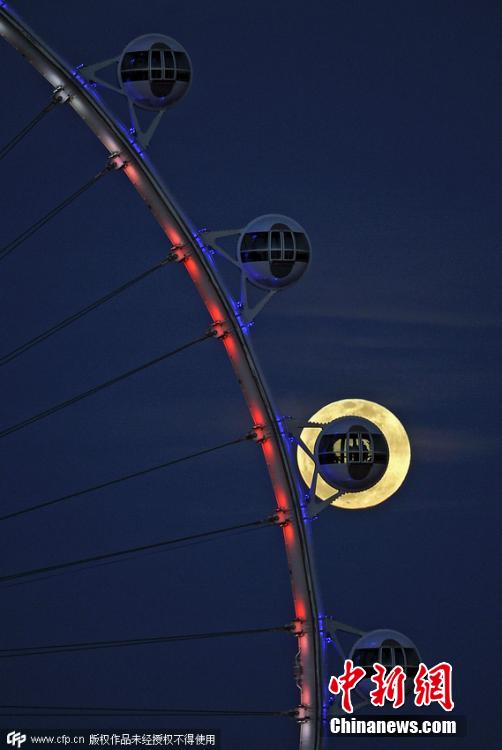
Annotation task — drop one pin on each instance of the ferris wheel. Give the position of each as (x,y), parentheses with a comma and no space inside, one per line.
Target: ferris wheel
(350,454)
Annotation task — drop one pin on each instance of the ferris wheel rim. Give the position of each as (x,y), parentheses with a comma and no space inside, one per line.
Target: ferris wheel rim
(178,229)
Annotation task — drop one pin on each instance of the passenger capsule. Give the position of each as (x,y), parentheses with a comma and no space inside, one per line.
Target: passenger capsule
(274,251)
(154,71)
(351,454)
(389,648)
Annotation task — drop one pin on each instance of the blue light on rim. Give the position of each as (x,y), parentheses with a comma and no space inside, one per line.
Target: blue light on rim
(208,252)
(237,304)
(325,640)
(290,443)
(10,10)
(128,131)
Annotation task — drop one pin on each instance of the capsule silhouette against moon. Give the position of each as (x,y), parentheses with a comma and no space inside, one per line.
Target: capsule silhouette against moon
(359,456)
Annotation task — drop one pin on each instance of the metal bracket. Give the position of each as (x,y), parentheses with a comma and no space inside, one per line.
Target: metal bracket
(89,72)
(250,313)
(301,714)
(314,505)
(331,627)
(211,240)
(115,161)
(144,136)
(297,627)
(284,520)
(258,433)
(218,330)
(59,95)
(178,254)
(275,520)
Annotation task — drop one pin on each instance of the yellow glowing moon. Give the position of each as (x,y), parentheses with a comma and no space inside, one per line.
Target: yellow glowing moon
(397,441)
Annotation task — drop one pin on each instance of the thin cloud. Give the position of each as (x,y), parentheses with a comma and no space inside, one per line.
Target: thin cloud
(389,314)
(431,445)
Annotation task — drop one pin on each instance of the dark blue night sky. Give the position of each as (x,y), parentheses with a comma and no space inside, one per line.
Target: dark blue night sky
(378,127)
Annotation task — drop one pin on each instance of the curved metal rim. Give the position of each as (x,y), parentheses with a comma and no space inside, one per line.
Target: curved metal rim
(88,106)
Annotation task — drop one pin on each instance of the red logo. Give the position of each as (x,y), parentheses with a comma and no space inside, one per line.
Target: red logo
(346,682)
(389,687)
(432,685)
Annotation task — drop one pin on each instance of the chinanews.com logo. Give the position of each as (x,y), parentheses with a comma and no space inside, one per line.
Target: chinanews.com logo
(16,739)
(430,686)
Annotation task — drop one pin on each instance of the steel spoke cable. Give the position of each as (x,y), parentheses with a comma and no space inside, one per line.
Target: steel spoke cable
(261,523)
(125,477)
(56,99)
(31,230)
(80,313)
(94,645)
(102,386)
(105,563)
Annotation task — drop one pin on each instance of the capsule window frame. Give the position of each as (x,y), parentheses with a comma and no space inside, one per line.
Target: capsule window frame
(168,67)
(346,453)
(394,649)
(142,64)
(159,71)
(156,70)
(280,246)
(282,251)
